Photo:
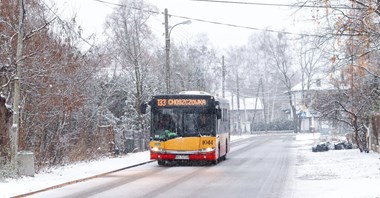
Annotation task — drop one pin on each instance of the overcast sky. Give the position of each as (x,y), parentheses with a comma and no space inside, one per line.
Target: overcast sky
(91,15)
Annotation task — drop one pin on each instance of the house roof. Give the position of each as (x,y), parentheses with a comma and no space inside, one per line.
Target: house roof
(318,82)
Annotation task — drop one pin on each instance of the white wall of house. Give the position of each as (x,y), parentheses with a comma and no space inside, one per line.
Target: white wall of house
(248,109)
(308,121)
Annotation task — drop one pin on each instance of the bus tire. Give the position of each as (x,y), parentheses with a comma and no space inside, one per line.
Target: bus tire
(161,162)
(225,154)
(216,161)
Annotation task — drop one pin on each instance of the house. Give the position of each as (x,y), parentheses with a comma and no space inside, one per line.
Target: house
(246,114)
(303,100)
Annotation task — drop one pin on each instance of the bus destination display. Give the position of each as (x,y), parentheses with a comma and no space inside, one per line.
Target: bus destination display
(181,102)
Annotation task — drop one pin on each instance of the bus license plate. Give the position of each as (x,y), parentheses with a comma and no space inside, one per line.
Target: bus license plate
(182,157)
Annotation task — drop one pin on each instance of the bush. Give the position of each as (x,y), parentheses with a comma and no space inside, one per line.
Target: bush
(276,125)
(6,171)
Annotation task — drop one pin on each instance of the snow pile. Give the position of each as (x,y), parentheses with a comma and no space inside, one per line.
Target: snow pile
(336,173)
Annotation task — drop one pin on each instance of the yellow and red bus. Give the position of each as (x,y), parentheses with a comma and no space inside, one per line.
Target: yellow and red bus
(189,126)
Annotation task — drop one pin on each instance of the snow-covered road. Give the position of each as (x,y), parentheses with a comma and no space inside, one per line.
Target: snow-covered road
(343,173)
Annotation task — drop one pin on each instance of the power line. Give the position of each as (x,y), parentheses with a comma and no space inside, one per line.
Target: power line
(233,25)
(275,4)
(245,27)
(259,29)
(207,21)
(110,3)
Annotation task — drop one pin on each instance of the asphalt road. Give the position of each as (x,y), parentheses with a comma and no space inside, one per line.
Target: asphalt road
(257,167)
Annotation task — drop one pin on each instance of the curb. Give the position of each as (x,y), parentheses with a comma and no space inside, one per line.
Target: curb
(80,180)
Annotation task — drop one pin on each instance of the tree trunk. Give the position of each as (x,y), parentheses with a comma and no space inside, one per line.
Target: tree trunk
(293,112)
(5,115)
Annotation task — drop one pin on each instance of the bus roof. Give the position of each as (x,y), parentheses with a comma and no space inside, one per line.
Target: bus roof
(194,93)
(168,96)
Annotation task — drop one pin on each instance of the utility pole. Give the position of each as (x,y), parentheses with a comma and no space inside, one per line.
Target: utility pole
(257,97)
(264,105)
(223,77)
(232,109)
(167,49)
(260,86)
(14,136)
(238,101)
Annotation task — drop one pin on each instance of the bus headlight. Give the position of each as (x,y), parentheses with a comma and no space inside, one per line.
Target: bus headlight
(157,150)
(207,150)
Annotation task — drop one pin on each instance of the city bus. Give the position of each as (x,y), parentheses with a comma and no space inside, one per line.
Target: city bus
(189,126)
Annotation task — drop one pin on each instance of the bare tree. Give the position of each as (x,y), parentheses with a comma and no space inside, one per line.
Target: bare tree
(355,24)
(270,90)
(195,66)
(312,60)
(131,36)
(16,54)
(351,108)
(57,116)
(352,29)
(280,55)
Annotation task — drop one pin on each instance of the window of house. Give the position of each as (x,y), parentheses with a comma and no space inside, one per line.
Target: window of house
(318,82)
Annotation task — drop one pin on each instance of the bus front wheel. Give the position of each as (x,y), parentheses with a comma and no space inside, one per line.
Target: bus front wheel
(218,158)
(225,154)
(161,162)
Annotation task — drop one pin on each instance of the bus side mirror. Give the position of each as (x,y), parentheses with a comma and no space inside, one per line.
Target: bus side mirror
(143,108)
(218,113)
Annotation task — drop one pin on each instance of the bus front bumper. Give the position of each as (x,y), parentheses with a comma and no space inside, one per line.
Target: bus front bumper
(209,156)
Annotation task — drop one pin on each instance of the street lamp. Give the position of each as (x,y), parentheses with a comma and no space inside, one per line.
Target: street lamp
(167,39)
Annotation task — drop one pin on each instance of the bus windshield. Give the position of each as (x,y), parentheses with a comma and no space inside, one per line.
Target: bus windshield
(170,123)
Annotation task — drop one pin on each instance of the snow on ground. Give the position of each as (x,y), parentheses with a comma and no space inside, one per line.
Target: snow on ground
(335,173)
(344,173)
(13,187)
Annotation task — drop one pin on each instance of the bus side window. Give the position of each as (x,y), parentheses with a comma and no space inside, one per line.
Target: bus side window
(218,113)
(224,115)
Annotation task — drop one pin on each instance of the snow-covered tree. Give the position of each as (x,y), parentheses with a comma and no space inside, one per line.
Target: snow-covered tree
(132,39)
